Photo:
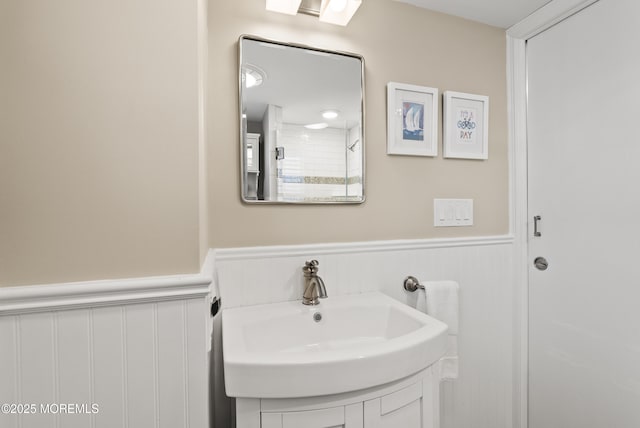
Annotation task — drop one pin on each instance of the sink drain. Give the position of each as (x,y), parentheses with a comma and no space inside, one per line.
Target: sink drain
(317,317)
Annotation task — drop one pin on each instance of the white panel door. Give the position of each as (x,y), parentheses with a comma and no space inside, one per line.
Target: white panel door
(584,173)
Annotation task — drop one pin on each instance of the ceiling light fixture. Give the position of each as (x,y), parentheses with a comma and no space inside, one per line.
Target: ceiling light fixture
(252,75)
(290,7)
(330,114)
(320,125)
(337,12)
(337,5)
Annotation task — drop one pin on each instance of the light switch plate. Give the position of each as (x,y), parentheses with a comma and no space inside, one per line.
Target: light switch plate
(452,212)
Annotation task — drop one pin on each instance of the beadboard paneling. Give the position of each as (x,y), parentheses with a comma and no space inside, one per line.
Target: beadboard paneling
(74,361)
(109,366)
(144,365)
(38,362)
(482,396)
(9,357)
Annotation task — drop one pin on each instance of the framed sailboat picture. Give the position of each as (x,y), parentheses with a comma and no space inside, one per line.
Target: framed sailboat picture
(412,120)
(465,132)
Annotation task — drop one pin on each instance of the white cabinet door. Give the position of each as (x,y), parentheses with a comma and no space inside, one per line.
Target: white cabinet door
(412,407)
(334,417)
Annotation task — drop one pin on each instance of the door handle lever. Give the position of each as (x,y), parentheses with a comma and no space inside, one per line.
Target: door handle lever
(536,219)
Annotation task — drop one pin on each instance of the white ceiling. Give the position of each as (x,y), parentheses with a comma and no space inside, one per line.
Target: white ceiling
(499,13)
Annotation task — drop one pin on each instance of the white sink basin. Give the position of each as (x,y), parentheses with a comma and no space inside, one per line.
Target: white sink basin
(278,350)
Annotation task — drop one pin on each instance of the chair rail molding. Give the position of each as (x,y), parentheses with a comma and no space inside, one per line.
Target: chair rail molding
(88,294)
(241,253)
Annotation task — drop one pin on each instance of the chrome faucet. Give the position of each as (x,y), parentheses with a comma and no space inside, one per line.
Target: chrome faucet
(313,284)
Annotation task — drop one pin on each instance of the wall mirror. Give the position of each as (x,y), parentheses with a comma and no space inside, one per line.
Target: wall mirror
(301,124)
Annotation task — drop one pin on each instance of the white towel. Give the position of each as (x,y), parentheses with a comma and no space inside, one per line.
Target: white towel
(442,304)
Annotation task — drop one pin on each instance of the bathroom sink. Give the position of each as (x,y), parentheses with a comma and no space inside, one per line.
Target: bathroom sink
(346,343)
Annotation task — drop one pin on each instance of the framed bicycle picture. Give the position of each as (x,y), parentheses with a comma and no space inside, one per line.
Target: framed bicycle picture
(412,120)
(466,126)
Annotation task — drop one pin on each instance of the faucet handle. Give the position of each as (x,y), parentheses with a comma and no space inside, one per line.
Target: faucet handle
(311,266)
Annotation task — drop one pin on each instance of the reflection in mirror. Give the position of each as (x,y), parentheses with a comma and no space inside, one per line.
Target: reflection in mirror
(301,124)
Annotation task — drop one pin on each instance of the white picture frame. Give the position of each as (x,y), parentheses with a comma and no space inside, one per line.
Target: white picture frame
(412,120)
(465,132)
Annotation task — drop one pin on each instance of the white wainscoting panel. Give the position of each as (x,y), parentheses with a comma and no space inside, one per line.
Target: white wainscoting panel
(144,365)
(482,396)
(140,349)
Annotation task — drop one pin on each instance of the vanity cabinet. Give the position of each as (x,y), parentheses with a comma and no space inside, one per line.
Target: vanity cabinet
(412,402)
(412,406)
(334,417)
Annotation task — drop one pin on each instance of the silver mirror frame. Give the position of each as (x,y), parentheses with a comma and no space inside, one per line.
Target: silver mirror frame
(240,104)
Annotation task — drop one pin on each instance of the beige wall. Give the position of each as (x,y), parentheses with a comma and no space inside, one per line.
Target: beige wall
(98,140)
(99,154)
(400,43)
